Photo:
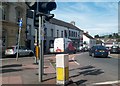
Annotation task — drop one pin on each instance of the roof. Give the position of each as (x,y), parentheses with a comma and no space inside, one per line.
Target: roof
(87,35)
(65,24)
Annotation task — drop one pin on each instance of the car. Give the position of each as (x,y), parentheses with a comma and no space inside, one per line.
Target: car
(115,49)
(23,51)
(98,50)
(84,49)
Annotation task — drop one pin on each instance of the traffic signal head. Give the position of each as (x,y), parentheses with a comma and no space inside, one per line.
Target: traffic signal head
(44,7)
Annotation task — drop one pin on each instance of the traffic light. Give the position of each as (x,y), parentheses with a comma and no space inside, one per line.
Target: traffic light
(36,19)
(43,7)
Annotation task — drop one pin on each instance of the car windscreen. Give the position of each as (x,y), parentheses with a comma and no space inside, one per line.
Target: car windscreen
(115,47)
(100,47)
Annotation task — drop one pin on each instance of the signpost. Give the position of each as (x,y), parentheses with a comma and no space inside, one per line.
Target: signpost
(20,27)
(40,45)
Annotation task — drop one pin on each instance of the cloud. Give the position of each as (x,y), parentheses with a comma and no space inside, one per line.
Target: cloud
(93,17)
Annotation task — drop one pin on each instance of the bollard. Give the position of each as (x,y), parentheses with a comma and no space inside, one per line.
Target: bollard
(37,52)
(62,68)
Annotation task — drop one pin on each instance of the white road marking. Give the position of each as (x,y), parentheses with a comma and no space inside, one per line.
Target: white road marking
(73,58)
(108,82)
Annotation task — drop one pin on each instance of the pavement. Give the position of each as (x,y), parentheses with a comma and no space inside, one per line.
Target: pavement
(115,55)
(26,72)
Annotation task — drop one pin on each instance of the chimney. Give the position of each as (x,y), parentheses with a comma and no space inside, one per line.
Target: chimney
(87,32)
(73,23)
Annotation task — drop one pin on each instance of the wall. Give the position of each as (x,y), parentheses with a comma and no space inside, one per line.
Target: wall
(10,24)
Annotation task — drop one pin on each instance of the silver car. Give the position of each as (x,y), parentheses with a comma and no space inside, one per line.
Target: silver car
(23,51)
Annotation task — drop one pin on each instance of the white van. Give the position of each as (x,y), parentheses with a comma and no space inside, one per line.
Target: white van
(63,45)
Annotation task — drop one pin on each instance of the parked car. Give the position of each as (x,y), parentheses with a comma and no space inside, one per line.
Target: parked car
(84,49)
(23,51)
(98,50)
(115,49)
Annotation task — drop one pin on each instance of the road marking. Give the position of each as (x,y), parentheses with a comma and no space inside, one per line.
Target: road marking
(6,59)
(3,59)
(108,82)
(73,58)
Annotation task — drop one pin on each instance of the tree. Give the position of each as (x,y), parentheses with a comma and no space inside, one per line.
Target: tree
(110,36)
(97,36)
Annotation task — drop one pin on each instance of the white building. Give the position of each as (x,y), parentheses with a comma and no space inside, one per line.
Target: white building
(88,41)
(57,28)
(53,29)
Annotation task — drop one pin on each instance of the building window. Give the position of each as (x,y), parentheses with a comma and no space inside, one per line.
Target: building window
(3,10)
(65,33)
(62,34)
(51,32)
(17,16)
(51,43)
(57,33)
(18,13)
(45,32)
(76,34)
(72,33)
(69,33)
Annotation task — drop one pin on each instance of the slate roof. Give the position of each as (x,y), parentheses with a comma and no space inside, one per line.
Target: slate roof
(65,24)
(89,36)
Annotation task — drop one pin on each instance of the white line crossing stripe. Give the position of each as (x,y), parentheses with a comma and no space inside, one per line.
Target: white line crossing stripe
(108,82)
(73,58)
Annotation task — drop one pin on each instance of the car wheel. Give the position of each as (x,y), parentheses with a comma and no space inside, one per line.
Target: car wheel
(89,54)
(31,54)
(15,55)
(93,55)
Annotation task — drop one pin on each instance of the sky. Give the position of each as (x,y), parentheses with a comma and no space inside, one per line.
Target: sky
(95,16)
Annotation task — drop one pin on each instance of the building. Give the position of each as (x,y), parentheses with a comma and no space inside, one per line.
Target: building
(110,42)
(53,29)
(11,13)
(88,40)
(57,28)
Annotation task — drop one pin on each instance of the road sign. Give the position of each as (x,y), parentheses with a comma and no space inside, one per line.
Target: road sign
(20,23)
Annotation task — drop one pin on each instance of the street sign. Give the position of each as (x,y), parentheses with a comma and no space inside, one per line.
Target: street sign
(20,23)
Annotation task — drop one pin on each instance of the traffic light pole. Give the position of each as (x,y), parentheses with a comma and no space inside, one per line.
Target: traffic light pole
(40,45)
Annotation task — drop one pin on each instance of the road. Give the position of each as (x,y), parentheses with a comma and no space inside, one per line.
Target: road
(89,70)
(95,70)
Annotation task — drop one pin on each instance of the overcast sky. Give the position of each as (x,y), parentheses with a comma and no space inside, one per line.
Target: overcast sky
(96,16)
